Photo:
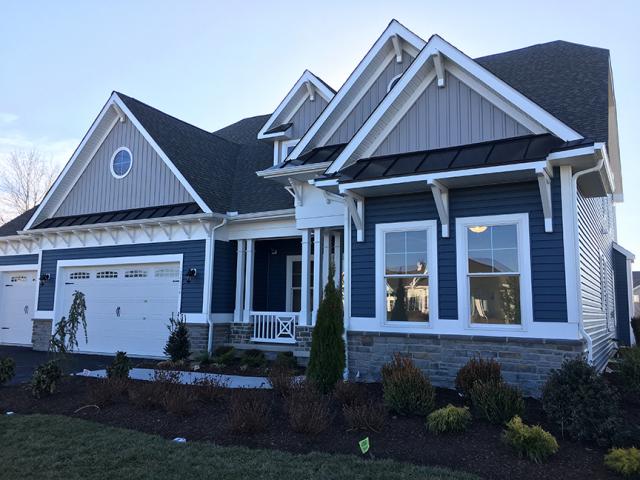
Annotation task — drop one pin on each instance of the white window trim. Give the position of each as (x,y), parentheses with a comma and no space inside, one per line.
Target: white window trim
(289,281)
(524,260)
(115,175)
(431,226)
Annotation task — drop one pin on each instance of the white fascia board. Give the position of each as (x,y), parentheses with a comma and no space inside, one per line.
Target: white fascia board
(96,262)
(437,45)
(288,171)
(395,28)
(205,208)
(72,161)
(430,177)
(268,215)
(306,76)
(624,252)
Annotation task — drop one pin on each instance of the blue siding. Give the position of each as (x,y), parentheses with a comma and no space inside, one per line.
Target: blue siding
(193,251)
(19,260)
(622,298)
(224,277)
(270,273)
(547,257)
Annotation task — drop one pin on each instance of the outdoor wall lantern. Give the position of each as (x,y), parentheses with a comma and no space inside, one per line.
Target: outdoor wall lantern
(44,278)
(191,274)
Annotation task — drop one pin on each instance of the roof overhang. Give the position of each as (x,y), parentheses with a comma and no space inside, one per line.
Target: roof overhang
(298,172)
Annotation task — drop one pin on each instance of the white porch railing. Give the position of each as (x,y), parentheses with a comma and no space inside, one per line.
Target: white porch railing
(274,327)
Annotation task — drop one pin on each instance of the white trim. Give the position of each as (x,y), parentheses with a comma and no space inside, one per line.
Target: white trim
(524,264)
(113,157)
(437,45)
(289,281)
(317,273)
(544,185)
(392,82)
(569,242)
(431,226)
(624,251)
(286,171)
(31,267)
(410,41)
(306,77)
(240,273)
(305,303)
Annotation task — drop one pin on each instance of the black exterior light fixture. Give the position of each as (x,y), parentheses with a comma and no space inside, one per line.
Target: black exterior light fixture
(44,278)
(191,274)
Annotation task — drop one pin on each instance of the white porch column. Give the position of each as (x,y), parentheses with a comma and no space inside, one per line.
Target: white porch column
(237,314)
(337,258)
(317,271)
(248,281)
(326,256)
(304,283)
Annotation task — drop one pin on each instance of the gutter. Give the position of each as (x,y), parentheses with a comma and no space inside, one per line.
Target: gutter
(574,190)
(209,292)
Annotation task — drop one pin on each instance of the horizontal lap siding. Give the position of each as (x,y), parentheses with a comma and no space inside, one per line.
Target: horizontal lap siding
(595,234)
(193,257)
(270,273)
(224,277)
(547,257)
(19,260)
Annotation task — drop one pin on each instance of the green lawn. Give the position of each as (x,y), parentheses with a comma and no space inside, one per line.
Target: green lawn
(54,447)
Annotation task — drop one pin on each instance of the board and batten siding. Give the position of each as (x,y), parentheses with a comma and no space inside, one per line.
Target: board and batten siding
(193,252)
(449,116)
(149,183)
(19,260)
(306,115)
(369,101)
(621,282)
(224,277)
(596,230)
(547,254)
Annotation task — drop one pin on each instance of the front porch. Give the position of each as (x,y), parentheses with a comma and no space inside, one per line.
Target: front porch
(276,300)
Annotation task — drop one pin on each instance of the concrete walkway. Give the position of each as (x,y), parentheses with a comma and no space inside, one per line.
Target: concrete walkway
(232,381)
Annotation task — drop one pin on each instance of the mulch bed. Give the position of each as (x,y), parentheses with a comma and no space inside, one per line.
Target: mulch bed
(478,450)
(235,368)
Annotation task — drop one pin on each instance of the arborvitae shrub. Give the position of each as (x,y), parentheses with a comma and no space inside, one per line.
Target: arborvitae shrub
(7,369)
(406,389)
(477,370)
(120,367)
(178,346)
(327,360)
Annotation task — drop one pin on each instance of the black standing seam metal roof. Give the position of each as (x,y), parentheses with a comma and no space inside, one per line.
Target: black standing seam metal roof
(636,279)
(162,211)
(279,128)
(485,154)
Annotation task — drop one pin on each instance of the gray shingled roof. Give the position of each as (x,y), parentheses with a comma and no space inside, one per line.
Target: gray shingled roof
(568,80)
(636,279)
(12,227)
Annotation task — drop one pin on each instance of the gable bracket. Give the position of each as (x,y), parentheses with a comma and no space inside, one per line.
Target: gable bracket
(544,184)
(311,91)
(131,233)
(441,199)
(332,197)
(438,62)
(397,47)
(295,189)
(186,228)
(121,116)
(166,229)
(355,207)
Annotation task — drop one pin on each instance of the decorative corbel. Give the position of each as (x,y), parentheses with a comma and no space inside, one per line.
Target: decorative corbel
(97,235)
(441,199)
(355,207)
(311,90)
(131,233)
(295,190)
(113,233)
(186,228)
(332,197)
(544,184)
(147,230)
(166,229)
(64,238)
(397,47)
(438,62)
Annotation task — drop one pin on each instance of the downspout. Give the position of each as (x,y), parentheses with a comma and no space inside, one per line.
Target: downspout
(209,292)
(574,188)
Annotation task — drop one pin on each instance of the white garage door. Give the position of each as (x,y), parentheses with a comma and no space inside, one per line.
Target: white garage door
(17,299)
(128,306)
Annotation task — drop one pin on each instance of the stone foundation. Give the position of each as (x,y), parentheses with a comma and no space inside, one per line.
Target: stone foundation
(41,334)
(198,336)
(525,362)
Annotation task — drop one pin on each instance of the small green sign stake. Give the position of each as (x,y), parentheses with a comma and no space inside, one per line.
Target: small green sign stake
(364,445)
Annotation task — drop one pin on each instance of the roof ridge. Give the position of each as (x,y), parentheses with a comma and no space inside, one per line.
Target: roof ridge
(537,45)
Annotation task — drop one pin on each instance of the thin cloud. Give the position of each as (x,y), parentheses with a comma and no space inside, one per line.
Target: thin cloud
(7,118)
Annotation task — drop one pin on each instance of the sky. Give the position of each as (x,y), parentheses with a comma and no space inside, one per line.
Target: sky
(211,63)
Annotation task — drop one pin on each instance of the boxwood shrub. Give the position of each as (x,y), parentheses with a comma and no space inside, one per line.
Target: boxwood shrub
(406,389)
(532,443)
(496,402)
(449,419)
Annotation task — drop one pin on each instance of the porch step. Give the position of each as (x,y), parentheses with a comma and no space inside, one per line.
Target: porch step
(270,347)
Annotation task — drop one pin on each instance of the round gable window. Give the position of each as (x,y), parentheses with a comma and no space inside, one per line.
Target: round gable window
(121,162)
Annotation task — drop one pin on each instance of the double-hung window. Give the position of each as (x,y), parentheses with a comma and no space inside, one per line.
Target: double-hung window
(494,280)
(406,273)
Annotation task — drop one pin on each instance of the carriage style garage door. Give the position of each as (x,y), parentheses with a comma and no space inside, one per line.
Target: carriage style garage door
(17,299)
(128,306)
